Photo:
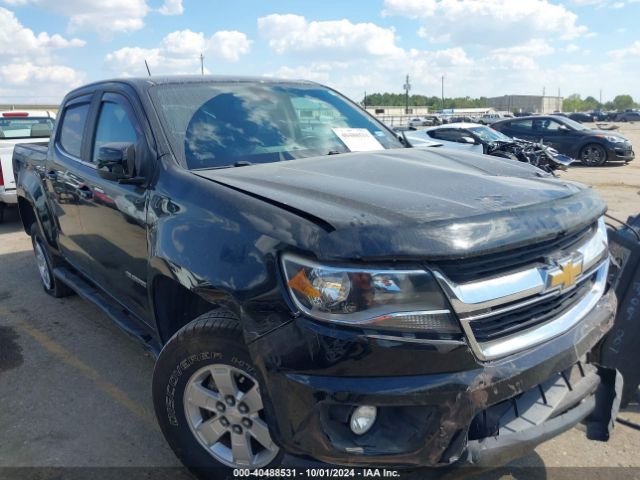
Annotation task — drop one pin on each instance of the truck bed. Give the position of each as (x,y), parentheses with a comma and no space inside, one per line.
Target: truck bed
(25,154)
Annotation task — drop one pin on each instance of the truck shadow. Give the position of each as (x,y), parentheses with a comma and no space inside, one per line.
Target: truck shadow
(11,221)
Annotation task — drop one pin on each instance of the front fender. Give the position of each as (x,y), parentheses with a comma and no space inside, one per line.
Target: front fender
(223,246)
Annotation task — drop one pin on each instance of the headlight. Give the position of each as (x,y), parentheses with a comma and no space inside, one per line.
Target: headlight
(408,300)
(612,138)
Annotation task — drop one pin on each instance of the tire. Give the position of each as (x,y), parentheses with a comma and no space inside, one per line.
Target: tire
(208,359)
(593,155)
(52,285)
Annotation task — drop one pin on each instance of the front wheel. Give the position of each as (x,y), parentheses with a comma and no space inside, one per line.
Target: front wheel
(593,155)
(208,400)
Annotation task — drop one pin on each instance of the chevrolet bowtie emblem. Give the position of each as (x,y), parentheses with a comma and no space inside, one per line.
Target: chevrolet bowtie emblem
(566,273)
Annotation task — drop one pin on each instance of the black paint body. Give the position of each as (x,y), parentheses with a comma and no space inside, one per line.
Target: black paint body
(218,235)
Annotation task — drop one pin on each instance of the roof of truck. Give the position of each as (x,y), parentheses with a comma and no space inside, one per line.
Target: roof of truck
(145,82)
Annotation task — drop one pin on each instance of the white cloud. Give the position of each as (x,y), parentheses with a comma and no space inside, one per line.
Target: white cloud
(487,22)
(333,39)
(534,47)
(25,74)
(28,62)
(632,50)
(104,17)
(17,40)
(228,45)
(172,7)
(179,52)
(582,3)
(600,3)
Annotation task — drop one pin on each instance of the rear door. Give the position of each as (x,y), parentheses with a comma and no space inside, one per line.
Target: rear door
(66,179)
(519,129)
(114,217)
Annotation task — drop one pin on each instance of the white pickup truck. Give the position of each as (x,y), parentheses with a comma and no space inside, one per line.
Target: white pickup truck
(24,126)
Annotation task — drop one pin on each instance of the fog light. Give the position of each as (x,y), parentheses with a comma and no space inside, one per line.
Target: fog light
(362,419)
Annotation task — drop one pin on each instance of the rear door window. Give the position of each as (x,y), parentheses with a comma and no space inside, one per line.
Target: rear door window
(521,126)
(72,127)
(449,134)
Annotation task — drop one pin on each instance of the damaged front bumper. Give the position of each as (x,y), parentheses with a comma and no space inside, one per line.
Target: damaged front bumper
(437,404)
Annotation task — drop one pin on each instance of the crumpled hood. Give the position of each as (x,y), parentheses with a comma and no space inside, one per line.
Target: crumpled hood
(410,196)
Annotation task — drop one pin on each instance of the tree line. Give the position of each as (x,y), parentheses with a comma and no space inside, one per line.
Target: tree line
(575,103)
(433,102)
(572,103)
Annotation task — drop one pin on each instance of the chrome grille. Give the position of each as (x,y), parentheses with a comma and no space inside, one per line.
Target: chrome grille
(514,310)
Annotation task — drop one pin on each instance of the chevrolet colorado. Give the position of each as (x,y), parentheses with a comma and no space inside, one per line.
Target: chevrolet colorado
(312,286)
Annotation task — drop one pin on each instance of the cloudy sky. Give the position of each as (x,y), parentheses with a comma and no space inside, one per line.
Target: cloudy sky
(482,47)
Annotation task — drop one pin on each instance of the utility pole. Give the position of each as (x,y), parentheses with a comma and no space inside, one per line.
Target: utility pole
(201,64)
(600,98)
(544,91)
(407,87)
(365,100)
(442,93)
(559,101)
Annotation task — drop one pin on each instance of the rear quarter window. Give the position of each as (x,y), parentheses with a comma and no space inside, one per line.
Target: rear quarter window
(72,127)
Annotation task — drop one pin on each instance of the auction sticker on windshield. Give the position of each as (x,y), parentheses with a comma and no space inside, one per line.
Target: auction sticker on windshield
(358,139)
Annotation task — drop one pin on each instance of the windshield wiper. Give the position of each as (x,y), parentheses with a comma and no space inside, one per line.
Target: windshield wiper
(334,152)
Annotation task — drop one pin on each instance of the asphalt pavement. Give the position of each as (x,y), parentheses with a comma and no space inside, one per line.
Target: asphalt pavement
(75,395)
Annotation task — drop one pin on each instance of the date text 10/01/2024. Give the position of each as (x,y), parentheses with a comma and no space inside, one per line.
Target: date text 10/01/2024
(317,473)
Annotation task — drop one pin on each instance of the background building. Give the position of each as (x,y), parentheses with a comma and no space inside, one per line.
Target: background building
(526,103)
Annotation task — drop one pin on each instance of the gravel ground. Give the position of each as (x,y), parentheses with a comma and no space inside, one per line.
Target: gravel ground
(75,390)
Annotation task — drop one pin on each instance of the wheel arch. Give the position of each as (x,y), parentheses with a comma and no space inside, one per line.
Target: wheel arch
(176,305)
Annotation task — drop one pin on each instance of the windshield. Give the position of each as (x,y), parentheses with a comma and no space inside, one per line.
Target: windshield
(214,125)
(572,124)
(489,135)
(25,127)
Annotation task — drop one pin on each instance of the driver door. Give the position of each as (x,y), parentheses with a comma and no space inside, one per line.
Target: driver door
(114,217)
(552,133)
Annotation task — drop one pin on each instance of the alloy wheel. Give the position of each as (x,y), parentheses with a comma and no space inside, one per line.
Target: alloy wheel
(593,155)
(224,410)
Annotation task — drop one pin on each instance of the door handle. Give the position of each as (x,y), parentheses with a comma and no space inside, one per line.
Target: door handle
(52,175)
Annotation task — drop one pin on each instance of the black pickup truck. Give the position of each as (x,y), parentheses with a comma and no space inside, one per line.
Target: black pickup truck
(312,286)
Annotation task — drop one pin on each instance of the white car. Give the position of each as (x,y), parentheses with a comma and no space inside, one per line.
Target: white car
(24,126)
(461,136)
(489,118)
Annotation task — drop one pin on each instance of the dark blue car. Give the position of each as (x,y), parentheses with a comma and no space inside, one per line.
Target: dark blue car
(592,147)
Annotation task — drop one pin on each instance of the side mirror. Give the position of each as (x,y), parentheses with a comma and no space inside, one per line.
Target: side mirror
(468,140)
(115,160)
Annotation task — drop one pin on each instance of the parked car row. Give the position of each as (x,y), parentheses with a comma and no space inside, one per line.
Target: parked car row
(478,138)
(567,139)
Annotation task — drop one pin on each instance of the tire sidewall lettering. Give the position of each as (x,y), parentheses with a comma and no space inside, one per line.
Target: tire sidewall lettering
(177,375)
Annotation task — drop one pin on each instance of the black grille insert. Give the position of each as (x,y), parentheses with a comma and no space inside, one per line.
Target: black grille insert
(523,318)
(469,269)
